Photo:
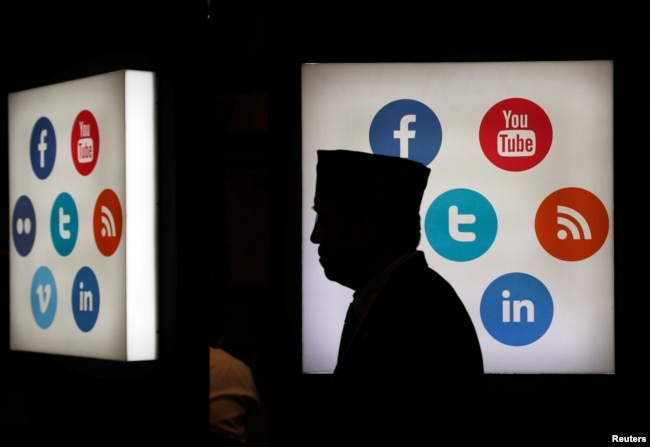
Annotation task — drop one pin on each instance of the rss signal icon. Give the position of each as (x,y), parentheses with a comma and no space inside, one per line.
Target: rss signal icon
(107,222)
(571,224)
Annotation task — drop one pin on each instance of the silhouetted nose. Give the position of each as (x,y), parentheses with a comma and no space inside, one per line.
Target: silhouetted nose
(314,233)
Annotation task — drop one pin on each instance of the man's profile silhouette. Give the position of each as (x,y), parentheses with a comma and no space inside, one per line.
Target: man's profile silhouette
(409,354)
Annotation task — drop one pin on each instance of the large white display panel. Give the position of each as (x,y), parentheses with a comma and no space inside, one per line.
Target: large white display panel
(82,198)
(518,211)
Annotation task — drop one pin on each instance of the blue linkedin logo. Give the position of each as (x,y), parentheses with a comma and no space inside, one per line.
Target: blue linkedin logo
(516,309)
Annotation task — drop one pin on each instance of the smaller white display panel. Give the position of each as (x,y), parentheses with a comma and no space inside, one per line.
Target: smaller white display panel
(82,209)
(518,210)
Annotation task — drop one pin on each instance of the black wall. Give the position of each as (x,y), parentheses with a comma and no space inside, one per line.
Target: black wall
(230,93)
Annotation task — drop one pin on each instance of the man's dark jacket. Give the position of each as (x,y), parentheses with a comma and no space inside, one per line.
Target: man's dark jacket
(413,366)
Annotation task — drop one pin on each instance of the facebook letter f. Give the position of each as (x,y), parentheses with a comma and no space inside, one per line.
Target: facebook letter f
(404,134)
(42,147)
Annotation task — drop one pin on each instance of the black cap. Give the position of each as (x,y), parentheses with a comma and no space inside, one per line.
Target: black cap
(364,180)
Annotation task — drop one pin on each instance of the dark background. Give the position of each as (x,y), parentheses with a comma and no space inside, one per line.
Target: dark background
(229,89)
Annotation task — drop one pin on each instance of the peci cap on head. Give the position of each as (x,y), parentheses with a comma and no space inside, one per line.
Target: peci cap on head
(361,180)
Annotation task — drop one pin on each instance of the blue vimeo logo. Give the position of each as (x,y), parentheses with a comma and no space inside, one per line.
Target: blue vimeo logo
(43,297)
(516,309)
(460,225)
(42,148)
(408,129)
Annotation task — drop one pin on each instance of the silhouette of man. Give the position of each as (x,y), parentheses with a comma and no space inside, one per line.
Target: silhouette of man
(409,359)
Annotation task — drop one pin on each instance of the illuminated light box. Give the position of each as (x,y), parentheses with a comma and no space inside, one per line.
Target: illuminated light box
(82,198)
(518,211)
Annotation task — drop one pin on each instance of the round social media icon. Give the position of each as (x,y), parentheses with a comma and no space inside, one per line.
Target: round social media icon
(571,224)
(515,134)
(460,225)
(23,225)
(42,148)
(406,128)
(107,222)
(85,299)
(85,142)
(516,309)
(64,224)
(43,297)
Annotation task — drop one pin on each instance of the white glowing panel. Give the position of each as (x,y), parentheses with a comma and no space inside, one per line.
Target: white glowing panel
(82,198)
(518,211)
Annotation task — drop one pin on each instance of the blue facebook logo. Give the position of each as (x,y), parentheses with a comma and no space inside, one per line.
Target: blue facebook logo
(42,148)
(406,128)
